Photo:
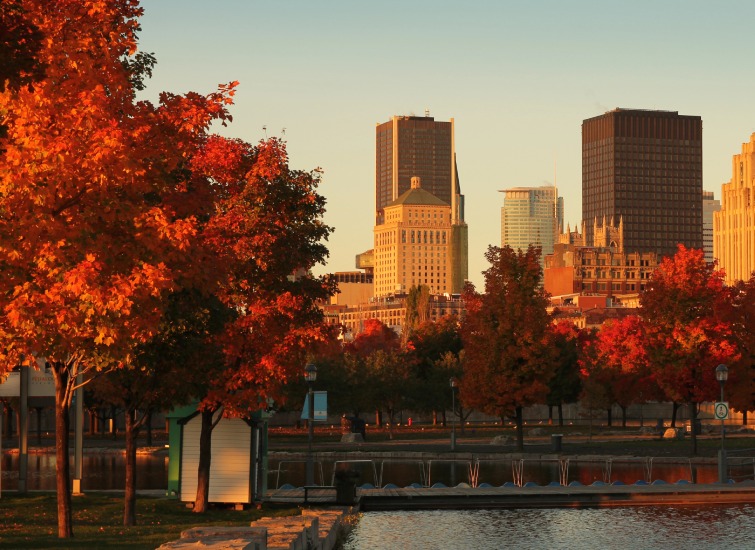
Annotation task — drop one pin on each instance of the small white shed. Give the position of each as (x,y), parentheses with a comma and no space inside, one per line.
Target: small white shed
(238,464)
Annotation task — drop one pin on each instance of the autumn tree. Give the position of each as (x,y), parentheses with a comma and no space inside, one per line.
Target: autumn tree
(417,309)
(20,44)
(687,335)
(565,385)
(92,231)
(504,333)
(377,343)
(617,370)
(264,236)
(741,315)
(433,351)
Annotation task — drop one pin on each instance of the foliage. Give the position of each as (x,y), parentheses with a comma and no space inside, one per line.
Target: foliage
(683,310)
(417,309)
(741,315)
(504,333)
(20,44)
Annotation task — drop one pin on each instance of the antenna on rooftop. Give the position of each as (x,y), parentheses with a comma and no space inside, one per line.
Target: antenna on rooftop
(265,129)
(427,112)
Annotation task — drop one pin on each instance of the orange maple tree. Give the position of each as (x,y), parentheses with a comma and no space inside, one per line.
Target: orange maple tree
(504,332)
(93,235)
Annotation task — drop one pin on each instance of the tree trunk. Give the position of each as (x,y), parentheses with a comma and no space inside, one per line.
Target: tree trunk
(378,418)
(744,418)
(560,414)
(692,421)
(114,426)
(443,421)
(435,418)
(205,456)
(623,416)
(519,429)
(129,510)
(62,462)
(390,423)
(550,414)
(610,418)
(461,419)
(674,409)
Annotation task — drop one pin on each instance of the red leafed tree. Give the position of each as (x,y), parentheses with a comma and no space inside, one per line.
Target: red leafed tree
(507,364)
(741,315)
(374,353)
(687,334)
(264,236)
(91,239)
(617,370)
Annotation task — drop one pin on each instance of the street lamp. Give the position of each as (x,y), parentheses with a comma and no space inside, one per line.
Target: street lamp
(310,375)
(453,413)
(722,374)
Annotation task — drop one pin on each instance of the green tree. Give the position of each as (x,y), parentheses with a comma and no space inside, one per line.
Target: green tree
(565,385)
(507,364)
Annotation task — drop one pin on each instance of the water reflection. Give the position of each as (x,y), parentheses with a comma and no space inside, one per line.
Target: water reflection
(713,527)
(101,471)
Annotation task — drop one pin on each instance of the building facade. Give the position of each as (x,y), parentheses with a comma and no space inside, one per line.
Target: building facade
(407,147)
(531,216)
(644,167)
(603,269)
(710,205)
(734,224)
(414,244)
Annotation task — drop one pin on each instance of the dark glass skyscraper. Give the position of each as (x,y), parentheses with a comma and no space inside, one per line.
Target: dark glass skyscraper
(412,146)
(645,167)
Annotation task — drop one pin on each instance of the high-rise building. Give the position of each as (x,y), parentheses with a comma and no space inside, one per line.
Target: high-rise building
(734,224)
(645,168)
(710,205)
(414,245)
(412,146)
(421,147)
(531,216)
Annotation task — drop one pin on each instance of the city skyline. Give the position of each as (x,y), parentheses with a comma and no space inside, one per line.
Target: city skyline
(517,79)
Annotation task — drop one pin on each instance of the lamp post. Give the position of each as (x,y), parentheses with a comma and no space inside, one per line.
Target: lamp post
(453,413)
(310,375)
(722,374)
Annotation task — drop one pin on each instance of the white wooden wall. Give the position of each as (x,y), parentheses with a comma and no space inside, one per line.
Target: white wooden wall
(230,468)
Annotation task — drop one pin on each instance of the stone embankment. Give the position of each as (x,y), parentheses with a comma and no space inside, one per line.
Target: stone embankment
(316,529)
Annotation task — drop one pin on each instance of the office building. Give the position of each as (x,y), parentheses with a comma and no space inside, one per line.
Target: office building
(531,216)
(710,205)
(414,245)
(421,147)
(734,224)
(644,167)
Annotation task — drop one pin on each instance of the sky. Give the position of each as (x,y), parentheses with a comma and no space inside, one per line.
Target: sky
(517,77)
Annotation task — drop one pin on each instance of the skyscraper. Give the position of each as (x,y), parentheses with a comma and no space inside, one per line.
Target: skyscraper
(531,216)
(734,224)
(420,147)
(710,205)
(644,168)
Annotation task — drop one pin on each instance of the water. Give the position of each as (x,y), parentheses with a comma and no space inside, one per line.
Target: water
(101,471)
(667,527)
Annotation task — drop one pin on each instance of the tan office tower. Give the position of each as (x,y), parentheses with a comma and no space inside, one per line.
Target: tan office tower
(409,147)
(734,224)
(414,245)
(645,168)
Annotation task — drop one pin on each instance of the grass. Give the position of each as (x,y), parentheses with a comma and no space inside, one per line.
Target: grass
(30,521)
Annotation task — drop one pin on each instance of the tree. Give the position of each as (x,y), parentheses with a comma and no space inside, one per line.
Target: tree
(264,236)
(433,351)
(565,385)
(505,337)
(417,309)
(90,236)
(20,44)
(741,315)
(618,370)
(682,310)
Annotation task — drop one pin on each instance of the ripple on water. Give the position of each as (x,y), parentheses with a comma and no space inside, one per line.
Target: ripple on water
(666,527)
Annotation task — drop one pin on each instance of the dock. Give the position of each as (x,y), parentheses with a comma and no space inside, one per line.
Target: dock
(550,496)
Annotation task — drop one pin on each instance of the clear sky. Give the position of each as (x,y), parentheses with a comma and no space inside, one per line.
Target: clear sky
(518,77)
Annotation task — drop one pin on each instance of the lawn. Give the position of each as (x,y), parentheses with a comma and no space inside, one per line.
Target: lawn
(30,521)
